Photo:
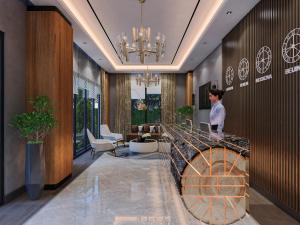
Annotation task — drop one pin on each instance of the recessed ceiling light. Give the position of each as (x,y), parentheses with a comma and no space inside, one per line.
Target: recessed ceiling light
(229,12)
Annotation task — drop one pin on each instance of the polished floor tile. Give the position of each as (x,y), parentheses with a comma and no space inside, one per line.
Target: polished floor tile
(119,191)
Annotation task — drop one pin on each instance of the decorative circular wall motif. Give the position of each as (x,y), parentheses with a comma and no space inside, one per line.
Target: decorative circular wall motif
(291,46)
(243,69)
(229,75)
(263,59)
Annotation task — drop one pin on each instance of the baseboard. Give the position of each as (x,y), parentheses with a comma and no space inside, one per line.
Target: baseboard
(14,194)
(293,213)
(55,186)
(21,190)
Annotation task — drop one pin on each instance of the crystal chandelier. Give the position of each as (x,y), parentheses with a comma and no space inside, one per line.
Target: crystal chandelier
(147,78)
(141,42)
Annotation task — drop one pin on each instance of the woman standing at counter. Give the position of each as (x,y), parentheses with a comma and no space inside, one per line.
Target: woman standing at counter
(217,113)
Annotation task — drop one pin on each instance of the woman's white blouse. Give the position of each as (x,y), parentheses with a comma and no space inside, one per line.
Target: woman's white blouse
(217,115)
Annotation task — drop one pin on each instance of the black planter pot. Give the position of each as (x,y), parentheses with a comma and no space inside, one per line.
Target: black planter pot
(34,170)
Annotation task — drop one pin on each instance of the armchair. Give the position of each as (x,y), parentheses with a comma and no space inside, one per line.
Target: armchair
(106,134)
(100,145)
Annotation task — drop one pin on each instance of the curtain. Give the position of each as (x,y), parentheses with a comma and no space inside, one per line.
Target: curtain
(168,93)
(104,98)
(123,104)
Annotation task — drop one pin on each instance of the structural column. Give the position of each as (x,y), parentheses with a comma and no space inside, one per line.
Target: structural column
(189,89)
(49,73)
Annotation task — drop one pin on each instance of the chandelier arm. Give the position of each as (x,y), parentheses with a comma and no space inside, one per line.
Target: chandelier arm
(151,51)
(141,13)
(130,50)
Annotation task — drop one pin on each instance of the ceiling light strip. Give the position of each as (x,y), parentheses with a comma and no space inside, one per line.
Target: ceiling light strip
(202,30)
(83,23)
(95,14)
(187,27)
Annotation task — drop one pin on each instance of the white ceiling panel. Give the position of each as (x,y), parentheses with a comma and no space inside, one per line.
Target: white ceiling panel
(170,17)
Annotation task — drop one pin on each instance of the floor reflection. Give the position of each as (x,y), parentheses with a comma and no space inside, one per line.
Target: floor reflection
(119,191)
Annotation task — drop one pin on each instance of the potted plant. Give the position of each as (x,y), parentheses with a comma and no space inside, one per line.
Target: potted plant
(185,112)
(34,127)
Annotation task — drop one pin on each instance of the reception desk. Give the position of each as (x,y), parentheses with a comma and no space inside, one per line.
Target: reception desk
(211,173)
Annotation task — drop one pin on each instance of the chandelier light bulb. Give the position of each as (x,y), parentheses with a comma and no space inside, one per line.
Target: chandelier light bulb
(134,36)
(158,36)
(163,38)
(148,33)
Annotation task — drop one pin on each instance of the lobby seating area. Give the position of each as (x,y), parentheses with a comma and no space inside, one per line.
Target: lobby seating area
(152,129)
(149,112)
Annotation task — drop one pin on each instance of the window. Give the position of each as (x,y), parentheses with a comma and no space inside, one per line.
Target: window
(145,103)
(86,113)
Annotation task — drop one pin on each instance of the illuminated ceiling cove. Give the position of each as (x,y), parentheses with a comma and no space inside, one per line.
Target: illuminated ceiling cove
(193,28)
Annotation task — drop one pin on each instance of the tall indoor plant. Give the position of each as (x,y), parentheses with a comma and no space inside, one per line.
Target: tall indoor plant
(185,112)
(34,127)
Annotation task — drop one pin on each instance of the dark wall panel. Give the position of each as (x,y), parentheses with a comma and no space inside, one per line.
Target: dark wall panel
(14,93)
(1,117)
(268,112)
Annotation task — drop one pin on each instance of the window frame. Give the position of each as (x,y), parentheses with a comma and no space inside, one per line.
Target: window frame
(86,144)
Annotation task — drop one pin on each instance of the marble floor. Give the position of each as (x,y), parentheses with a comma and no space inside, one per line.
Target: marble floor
(119,191)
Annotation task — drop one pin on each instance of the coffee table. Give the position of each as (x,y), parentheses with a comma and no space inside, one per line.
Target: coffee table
(148,146)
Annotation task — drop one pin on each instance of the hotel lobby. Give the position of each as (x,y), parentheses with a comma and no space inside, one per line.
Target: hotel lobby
(150,112)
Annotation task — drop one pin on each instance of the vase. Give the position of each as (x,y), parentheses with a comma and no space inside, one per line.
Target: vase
(34,170)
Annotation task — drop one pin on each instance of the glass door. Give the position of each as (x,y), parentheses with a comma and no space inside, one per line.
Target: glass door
(86,115)
(1,117)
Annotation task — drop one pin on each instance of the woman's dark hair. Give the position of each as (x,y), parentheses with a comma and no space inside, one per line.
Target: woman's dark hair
(217,92)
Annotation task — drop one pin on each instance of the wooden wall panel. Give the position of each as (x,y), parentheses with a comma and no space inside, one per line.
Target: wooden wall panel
(189,89)
(268,113)
(49,72)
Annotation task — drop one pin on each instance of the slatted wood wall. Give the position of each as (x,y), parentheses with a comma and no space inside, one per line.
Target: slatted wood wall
(268,112)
